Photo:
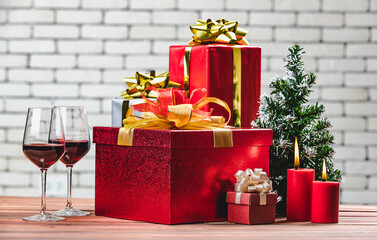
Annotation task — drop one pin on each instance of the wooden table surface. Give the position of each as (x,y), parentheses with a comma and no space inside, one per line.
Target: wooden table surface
(356,222)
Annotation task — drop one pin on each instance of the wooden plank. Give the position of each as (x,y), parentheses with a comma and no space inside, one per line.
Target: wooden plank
(358,208)
(356,222)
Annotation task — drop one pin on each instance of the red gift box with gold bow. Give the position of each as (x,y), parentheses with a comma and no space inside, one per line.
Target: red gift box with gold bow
(219,59)
(174,164)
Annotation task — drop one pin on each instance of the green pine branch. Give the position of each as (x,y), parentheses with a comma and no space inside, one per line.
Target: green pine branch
(287,112)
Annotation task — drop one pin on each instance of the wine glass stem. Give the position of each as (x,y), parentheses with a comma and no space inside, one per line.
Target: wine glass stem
(69,187)
(43,199)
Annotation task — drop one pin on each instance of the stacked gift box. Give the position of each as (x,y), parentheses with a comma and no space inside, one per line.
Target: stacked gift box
(175,162)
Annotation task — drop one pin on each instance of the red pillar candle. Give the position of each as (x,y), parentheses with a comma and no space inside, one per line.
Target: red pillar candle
(299,194)
(325,200)
(299,191)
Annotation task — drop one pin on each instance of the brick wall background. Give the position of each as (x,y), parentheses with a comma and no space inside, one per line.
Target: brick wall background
(72,52)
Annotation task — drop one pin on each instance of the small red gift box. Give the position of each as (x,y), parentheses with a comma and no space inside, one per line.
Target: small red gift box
(251,208)
(212,66)
(172,176)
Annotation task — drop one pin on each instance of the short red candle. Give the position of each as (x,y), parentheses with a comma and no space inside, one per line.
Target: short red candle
(299,194)
(325,202)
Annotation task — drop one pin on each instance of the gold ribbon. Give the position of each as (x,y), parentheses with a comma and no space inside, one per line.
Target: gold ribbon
(141,81)
(186,66)
(252,182)
(222,137)
(182,116)
(219,31)
(237,71)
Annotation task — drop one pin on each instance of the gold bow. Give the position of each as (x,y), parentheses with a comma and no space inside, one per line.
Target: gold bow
(174,110)
(141,81)
(249,181)
(219,31)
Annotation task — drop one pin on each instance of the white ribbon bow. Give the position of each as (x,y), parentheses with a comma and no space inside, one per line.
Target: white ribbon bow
(252,182)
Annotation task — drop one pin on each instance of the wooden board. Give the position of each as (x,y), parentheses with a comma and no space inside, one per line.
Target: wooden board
(356,222)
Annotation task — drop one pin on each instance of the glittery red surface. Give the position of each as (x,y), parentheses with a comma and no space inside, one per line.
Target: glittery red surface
(211,67)
(172,176)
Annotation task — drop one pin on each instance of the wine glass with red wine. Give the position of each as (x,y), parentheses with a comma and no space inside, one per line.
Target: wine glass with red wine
(44,145)
(77,145)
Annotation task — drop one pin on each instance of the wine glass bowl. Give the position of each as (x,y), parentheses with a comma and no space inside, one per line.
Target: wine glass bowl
(75,150)
(43,145)
(77,145)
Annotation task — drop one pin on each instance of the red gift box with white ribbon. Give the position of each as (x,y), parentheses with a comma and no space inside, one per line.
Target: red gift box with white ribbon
(252,202)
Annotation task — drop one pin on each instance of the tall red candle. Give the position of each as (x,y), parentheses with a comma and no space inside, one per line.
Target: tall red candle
(325,200)
(299,194)
(299,191)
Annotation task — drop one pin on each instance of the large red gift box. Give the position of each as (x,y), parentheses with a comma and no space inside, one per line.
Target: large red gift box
(211,67)
(172,176)
(247,208)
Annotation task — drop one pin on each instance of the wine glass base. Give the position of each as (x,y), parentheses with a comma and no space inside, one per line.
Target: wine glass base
(44,218)
(70,212)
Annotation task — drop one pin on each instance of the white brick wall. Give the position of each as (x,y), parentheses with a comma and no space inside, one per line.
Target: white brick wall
(361,19)
(27,16)
(79,16)
(30,75)
(68,52)
(14,31)
(320,19)
(297,34)
(345,5)
(100,4)
(104,32)
(199,4)
(297,5)
(55,31)
(346,34)
(272,19)
(128,17)
(34,46)
(78,75)
(52,61)
(166,17)
(57,3)
(250,4)
(100,61)
(131,47)
(13,60)
(55,90)
(79,46)
(16,3)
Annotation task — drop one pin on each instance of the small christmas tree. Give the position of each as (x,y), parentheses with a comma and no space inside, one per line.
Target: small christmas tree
(288,113)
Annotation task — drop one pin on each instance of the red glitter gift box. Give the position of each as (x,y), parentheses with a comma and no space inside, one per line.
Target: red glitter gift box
(251,208)
(172,176)
(212,66)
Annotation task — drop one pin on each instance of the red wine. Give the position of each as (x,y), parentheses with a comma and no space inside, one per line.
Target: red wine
(74,151)
(43,155)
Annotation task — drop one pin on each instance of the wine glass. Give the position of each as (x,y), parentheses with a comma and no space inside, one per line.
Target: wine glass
(77,145)
(43,145)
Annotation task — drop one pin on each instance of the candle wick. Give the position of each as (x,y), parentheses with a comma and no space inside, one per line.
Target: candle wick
(296,167)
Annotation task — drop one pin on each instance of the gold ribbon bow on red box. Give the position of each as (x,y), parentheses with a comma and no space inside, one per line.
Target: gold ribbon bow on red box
(174,110)
(219,31)
(141,81)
